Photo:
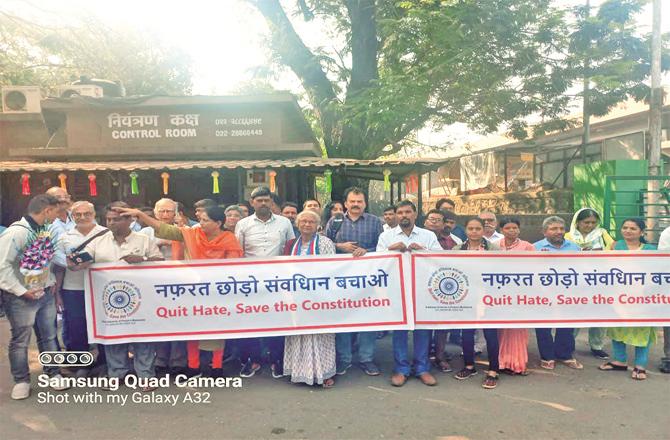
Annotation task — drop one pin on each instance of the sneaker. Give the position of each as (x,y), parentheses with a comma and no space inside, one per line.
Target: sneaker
(342,369)
(249,369)
(60,384)
(370,368)
(600,354)
(277,370)
(465,373)
(21,391)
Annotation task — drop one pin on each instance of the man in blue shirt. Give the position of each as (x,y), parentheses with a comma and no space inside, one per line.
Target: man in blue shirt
(563,347)
(357,233)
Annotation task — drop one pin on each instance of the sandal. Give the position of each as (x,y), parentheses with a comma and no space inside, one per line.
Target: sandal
(573,363)
(328,383)
(548,365)
(444,366)
(609,366)
(490,382)
(639,374)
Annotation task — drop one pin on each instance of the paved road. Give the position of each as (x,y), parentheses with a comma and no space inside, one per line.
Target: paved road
(564,404)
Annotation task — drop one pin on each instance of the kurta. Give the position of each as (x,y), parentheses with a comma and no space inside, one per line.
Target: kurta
(635,336)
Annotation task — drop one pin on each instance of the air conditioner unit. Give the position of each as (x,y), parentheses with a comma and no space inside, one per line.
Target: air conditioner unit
(80,89)
(21,99)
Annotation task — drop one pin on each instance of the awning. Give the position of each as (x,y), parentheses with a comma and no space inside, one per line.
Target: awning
(368,169)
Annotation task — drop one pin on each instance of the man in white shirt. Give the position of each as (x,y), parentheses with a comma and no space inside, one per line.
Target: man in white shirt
(262,234)
(390,220)
(490,226)
(407,237)
(165,210)
(664,245)
(123,244)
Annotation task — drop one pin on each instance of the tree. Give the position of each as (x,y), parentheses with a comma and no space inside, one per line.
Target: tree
(35,54)
(488,63)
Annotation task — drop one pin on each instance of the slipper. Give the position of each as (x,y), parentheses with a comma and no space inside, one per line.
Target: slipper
(548,365)
(639,374)
(609,366)
(328,383)
(573,363)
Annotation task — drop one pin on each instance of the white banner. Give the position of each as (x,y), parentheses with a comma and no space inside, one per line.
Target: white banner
(227,299)
(540,289)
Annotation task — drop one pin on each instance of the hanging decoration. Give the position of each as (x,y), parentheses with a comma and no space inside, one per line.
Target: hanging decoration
(134,187)
(92,185)
(273,180)
(62,177)
(215,182)
(166,178)
(387,180)
(25,184)
(328,174)
(411,183)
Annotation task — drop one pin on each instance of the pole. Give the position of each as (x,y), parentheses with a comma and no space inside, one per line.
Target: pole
(655,112)
(586,111)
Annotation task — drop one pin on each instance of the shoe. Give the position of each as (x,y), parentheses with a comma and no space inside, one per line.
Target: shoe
(249,369)
(398,379)
(370,368)
(600,354)
(277,370)
(148,389)
(444,366)
(342,369)
(427,379)
(21,391)
(490,382)
(60,385)
(465,373)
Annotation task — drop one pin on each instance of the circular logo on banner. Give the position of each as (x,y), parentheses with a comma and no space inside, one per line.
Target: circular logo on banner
(448,286)
(121,299)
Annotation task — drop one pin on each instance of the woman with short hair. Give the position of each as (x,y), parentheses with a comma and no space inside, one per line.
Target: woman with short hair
(310,359)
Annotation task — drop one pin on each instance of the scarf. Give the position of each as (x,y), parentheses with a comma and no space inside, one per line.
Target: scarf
(593,239)
(225,245)
(312,246)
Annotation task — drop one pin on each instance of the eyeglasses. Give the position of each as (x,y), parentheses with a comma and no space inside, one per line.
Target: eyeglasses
(83,214)
(434,219)
(488,220)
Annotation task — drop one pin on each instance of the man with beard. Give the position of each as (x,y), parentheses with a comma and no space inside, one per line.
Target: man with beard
(407,237)
(262,234)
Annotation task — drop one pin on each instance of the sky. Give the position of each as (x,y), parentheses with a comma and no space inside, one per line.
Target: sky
(226,39)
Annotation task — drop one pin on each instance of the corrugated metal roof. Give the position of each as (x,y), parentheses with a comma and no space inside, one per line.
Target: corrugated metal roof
(314,163)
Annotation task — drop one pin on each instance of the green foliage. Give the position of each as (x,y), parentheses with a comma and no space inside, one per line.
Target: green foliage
(487,63)
(33,54)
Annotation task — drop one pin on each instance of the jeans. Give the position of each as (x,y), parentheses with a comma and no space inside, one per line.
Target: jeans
(366,347)
(74,320)
(562,347)
(250,349)
(171,354)
(118,363)
(491,336)
(641,353)
(421,347)
(23,314)
(596,337)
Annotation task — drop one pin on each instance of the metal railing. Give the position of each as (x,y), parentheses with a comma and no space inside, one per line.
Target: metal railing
(640,200)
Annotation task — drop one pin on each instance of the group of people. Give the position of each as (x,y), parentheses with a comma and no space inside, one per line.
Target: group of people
(264,227)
